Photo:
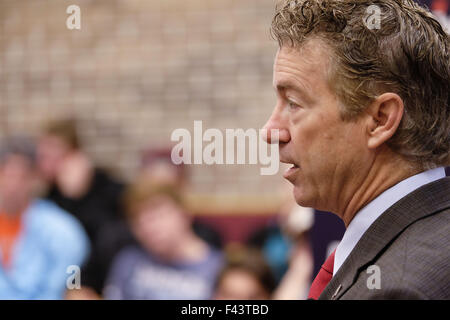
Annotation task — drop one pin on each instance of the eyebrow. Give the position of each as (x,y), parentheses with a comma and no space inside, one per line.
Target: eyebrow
(288,85)
(283,86)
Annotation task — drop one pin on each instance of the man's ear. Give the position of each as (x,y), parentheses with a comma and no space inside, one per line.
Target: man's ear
(385,114)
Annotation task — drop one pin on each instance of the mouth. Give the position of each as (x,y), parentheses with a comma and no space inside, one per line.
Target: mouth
(291,171)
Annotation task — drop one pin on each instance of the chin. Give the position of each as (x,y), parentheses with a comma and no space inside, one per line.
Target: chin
(303,203)
(300,197)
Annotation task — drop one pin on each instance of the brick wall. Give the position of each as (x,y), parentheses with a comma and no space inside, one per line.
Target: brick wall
(136,71)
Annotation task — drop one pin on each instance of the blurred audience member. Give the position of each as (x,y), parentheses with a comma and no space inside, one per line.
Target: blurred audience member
(296,281)
(158,167)
(441,9)
(85,191)
(245,276)
(279,237)
(38,240)
(172,262)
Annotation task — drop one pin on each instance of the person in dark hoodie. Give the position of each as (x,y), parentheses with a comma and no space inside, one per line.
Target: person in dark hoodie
(79,187)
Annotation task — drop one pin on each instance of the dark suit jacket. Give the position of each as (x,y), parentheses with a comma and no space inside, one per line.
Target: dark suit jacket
(410,243)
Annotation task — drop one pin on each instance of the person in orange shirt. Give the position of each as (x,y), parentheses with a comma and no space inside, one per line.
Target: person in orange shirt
(15,194)
(39,242)
(10,226)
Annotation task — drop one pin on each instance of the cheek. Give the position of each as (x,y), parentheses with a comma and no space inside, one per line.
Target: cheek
(312,138)
(139,230)
(352,139)
(321,146)
(16,183)
(144,228)
(345,151)
(301,138)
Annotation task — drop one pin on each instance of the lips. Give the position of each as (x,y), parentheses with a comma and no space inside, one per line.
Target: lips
(291,171)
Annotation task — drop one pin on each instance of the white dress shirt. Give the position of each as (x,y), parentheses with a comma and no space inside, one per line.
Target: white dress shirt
(367,215)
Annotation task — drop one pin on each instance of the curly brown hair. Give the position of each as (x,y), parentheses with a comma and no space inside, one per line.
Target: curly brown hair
(408,55)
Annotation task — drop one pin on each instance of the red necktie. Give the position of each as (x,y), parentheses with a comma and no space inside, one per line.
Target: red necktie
(323,278)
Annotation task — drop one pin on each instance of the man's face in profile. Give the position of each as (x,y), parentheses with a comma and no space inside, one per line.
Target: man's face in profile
(325,152)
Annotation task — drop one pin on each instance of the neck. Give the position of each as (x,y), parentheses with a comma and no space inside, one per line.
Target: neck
(387,170)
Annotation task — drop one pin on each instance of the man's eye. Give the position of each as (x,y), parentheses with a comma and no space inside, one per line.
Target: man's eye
(292,105)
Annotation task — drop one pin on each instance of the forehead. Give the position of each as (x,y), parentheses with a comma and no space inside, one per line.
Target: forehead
(16,161)
(305,67)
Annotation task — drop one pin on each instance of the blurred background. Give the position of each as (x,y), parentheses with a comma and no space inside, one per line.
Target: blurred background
(97,107)
(137,70)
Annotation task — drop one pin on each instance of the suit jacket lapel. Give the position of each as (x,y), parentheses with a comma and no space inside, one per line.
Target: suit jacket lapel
(425,201)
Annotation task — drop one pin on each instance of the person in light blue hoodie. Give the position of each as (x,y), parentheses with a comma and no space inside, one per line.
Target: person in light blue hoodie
(42,247)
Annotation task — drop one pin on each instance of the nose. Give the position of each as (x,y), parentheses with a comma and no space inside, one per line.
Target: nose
(276,130)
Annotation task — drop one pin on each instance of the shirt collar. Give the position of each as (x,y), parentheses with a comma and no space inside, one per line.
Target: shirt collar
(367,215)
